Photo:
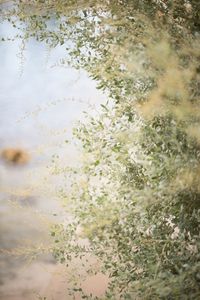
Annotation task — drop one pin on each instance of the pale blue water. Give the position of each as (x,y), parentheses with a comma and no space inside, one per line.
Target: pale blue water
(39,105)
(27,92)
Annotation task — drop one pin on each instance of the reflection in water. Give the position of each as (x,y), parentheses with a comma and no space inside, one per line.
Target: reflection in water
(15,156)
(38,108)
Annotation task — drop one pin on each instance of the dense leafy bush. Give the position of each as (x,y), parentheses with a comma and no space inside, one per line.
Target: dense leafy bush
(136,196)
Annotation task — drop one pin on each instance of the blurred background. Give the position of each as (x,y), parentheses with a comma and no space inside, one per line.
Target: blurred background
(40,102)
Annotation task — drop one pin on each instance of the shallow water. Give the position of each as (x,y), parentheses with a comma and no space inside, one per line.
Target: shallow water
(39,105)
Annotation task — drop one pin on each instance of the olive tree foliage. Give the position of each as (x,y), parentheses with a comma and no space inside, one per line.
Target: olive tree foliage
(136,196)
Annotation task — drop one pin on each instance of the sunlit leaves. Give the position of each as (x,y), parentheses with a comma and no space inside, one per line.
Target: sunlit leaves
(136,194)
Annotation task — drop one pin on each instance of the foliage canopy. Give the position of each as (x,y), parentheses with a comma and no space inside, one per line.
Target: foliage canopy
(136,196)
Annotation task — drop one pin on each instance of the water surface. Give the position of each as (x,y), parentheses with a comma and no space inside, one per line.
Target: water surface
(39,105)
